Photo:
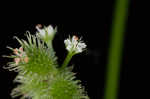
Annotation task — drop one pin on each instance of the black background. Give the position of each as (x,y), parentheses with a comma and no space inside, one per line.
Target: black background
(94,25)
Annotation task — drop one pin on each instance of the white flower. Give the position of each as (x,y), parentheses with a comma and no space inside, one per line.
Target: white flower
(46,31)
(74,44)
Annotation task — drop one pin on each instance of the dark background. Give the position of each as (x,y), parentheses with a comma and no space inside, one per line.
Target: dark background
(94,25)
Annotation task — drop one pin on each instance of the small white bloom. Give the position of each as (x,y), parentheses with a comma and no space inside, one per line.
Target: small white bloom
(46,31)
(74,44)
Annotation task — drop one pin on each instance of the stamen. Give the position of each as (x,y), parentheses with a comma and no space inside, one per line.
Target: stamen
(75,37)
(39,26)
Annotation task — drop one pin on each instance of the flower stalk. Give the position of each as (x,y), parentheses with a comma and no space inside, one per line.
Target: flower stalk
(67,60)
(115,50)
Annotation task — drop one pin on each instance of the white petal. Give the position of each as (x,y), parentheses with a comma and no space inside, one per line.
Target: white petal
(78,50)
(68,47)
(50,30)
(42,32)
(67,42)
(81,45)
(37,28)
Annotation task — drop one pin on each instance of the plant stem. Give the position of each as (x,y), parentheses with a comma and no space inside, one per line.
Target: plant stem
(67,60)
(115,51)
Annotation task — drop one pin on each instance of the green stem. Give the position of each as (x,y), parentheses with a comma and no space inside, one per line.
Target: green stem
(49,44)
(67,60)
(115,51)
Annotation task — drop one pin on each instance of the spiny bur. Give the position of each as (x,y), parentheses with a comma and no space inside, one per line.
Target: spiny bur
(39,75)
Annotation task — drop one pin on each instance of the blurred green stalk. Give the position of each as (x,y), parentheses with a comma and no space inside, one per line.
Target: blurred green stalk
(115,50)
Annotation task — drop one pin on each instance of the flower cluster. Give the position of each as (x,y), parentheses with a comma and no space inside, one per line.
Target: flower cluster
(47,33)
(21,56)
(74,44)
